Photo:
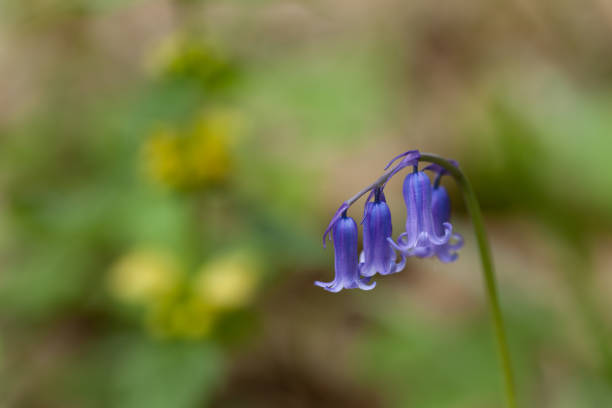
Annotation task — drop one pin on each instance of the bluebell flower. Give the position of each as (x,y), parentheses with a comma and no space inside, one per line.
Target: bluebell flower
(378,255)
(345,236)
(441,210)
(421,231)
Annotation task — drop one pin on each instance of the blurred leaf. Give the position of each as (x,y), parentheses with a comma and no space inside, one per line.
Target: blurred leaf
(414,360)
(49,279)
(423,360)
(132,371)
(549,156)
(160,375)
(152,217)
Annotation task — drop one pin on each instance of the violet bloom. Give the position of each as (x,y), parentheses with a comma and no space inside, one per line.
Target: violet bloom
(441,210)
(378,255)
(345,235)
(420,228)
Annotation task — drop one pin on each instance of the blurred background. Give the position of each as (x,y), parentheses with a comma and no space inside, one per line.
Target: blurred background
(167,169)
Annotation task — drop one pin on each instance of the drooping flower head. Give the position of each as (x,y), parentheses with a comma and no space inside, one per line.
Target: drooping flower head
(420,230)
(345,236)
(378,255)
(428,230)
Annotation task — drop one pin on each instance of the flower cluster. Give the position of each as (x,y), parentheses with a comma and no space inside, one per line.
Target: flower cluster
(186,57)
(429,232)
(196,156)
(179,305)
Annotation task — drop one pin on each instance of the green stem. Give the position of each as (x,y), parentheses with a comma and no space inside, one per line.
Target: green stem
(487,268)
(486,260)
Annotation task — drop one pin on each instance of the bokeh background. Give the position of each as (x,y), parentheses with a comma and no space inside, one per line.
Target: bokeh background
(167,169)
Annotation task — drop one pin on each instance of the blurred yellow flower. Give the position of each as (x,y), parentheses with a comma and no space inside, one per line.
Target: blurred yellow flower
(163,155)
(181,308)
(227,282)
(198,157)
(142,276)
(186,56)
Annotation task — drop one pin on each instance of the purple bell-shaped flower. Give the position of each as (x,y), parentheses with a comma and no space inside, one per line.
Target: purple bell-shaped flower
(421,231)
(378,255)
(441,210)
(345,236)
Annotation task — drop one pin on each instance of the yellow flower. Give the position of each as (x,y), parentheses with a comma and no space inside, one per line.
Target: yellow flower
(211,138)
(142,276)
(164,157)
(227,282)
(198,157)
(184,56)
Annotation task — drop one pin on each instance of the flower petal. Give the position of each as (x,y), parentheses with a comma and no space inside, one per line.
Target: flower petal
(440,240)
(363,285)
(410,155)
(401,265)
(329,286)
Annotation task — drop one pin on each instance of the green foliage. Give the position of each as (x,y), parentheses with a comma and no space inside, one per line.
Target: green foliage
(158,375)
(552,155)
(428,364)
(335,99)
(131,371)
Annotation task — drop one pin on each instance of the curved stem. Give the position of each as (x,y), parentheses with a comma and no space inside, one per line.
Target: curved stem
(486,259)
(379,182)
(487,268)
